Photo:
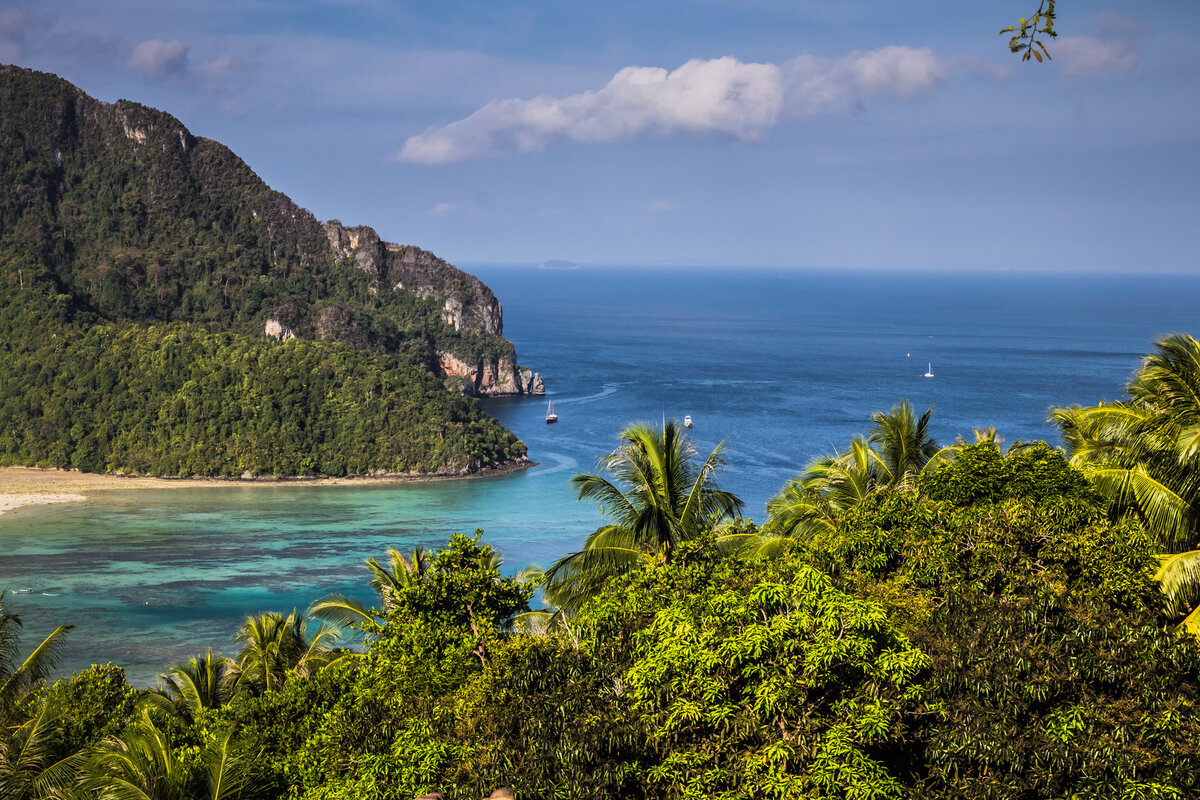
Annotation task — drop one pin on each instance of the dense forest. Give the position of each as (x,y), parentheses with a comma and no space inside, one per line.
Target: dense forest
(909,621)
(141,269)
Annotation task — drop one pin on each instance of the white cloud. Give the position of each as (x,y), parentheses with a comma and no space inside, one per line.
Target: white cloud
(822,85)
(442,209)
(1087,57)
(157,58)
(663,205)
(722,96)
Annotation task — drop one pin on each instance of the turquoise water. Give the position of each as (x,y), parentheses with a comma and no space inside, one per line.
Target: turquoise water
(781,367)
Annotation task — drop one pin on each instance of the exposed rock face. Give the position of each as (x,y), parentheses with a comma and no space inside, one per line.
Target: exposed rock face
(487,377)
(530,381)
(361,242)
(277,330)
(467,305)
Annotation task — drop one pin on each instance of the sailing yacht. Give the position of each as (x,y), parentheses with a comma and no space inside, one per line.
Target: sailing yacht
(929,370)
(550,415)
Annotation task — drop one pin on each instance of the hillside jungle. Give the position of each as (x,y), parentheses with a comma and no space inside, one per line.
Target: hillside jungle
(972,620)
(163,311)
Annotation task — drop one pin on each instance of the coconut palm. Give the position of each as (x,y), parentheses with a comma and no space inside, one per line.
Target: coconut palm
(276,648)
(142,764)
(29,763)
(18,679)
(1143,455)
(903,443)
(201,682)
(28,767)
(656,497)
(387,580)
(892,454)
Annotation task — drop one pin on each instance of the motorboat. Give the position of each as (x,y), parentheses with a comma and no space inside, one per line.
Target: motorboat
(687,421)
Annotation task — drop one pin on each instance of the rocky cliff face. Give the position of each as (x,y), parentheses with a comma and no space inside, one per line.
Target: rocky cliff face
(465,304)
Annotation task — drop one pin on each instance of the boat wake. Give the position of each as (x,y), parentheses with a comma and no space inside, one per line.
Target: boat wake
(609,389)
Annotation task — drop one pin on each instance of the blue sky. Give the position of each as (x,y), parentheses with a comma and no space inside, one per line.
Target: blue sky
(722,132)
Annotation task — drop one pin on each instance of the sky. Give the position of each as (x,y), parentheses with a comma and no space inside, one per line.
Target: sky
(797,133)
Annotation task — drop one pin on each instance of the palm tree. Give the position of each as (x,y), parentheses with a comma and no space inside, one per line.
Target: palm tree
(142,764)
(19,679)
(29,763)
(275,648)
(813,502)
(892,454)
(388,581)
(903,443)
(201,682)
(1143,455)
(658,497)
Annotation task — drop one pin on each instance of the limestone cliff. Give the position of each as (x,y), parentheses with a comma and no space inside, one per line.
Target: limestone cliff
(486,363)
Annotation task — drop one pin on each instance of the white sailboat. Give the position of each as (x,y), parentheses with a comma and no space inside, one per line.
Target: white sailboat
(550,415)
(929,370)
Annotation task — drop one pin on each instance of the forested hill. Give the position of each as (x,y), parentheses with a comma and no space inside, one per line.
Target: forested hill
(120,229)
(139,220)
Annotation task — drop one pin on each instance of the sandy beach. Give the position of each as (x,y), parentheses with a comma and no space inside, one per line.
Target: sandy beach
(24,486)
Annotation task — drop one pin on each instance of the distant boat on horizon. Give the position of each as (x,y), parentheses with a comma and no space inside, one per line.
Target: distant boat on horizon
(550,415)
(929,370)
(687,421)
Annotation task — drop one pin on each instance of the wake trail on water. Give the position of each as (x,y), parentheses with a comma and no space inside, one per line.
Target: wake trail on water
(608,390)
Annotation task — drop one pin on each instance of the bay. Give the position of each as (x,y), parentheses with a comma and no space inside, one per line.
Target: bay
(779,366)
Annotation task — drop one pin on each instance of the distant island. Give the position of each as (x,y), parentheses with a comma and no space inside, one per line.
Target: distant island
(165,312)
(555,263)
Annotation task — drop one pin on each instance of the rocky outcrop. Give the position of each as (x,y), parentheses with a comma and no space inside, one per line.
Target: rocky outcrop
(530,381)
(466,304)
(277,330)
(489,377)
(361,243)
(204,240)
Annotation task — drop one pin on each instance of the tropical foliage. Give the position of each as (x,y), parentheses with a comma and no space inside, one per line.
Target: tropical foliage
(655,496)
(183,400)
(972,623)
(1143,455)
(891,455)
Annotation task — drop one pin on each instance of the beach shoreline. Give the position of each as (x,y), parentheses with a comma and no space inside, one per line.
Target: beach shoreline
(26,486)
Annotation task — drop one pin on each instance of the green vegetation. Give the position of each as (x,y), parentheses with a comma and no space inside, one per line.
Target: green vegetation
(185,400)
(1143,455)
(661,498)
(970,623)
(138,268)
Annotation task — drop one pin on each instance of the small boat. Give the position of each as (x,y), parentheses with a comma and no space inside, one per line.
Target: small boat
(550,415)
(26,590)
(929,371)
(687,421)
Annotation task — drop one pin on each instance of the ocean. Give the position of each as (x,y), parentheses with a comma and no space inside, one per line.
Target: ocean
(777,366)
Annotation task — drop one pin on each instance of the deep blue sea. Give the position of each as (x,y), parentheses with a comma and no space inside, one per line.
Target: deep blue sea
(781,366)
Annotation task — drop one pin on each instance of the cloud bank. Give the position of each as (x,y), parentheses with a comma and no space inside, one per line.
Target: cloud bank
(157,58)
(1084,57)
(722,96)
